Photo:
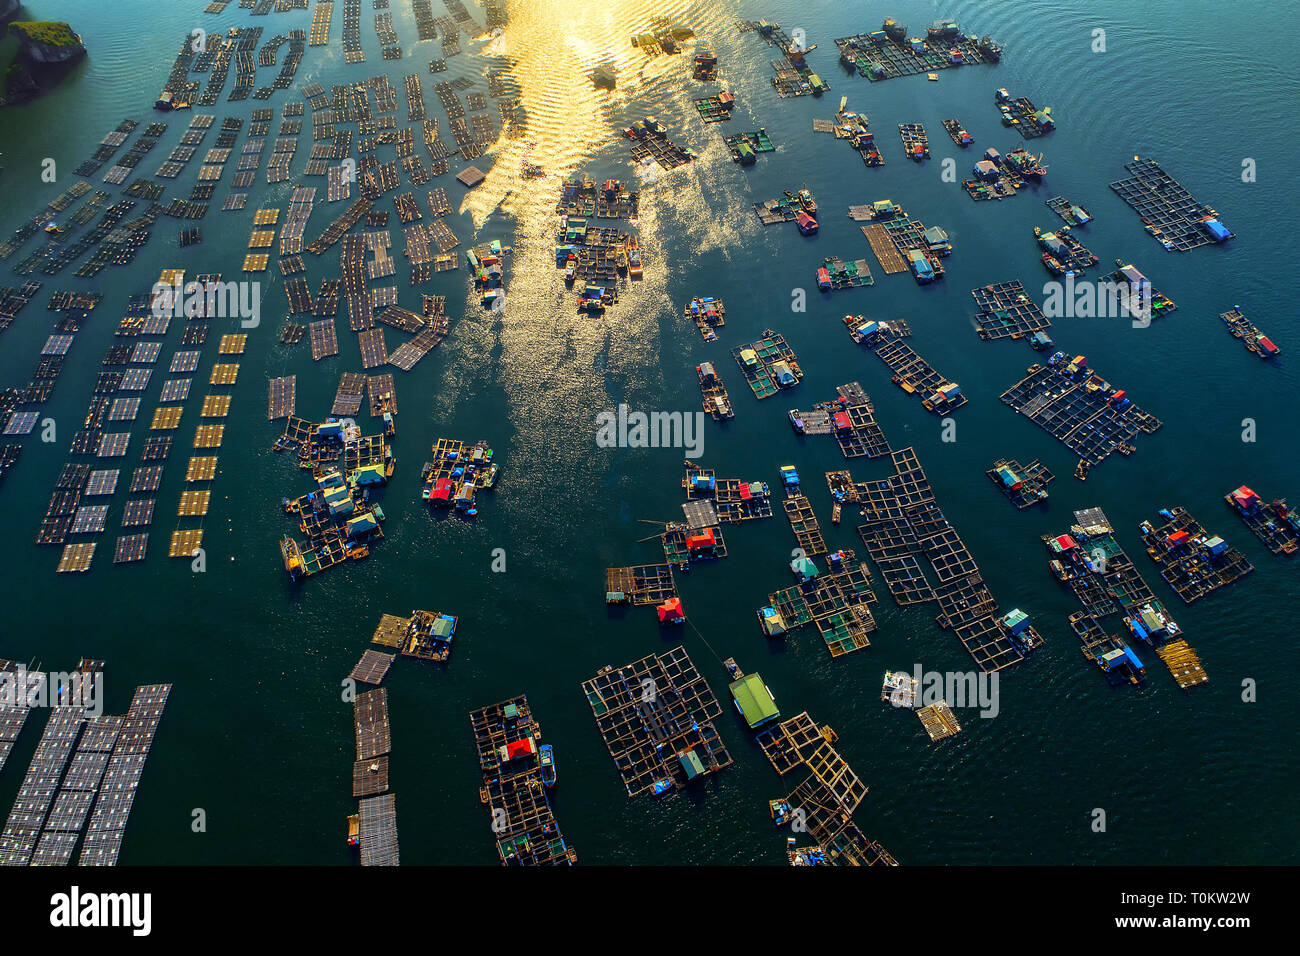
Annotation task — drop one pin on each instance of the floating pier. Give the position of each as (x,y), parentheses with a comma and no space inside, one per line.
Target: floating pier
(1191,560)
(1090,562)
(768,364)
(656,718)
(1248,334)
(915,143)
(506,737)
(1022,485)
(889,52)
(939,394)
(1169,213)
(838,603)
(1005,311)
(903,528)
(850,419)
(1274,523)
(1070,213)
(1079,408)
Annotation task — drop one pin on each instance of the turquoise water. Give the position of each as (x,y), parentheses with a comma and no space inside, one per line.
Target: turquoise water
(256,732)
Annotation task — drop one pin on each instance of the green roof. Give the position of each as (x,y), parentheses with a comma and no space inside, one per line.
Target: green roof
(754,700)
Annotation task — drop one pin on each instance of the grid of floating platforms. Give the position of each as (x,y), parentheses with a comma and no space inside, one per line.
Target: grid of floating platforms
(506,737)
(716,401)
(650,142)
(1070,213)
(913,374)
(1063,253)
(838,603)
(1169,213)
(1090,562)
(825,800)
(889,52)
(794,77)
(836,273)
(1078,408)
(768,364)
(682,545)
(790,208)
(1275,524)
(1248,334)
(1191,560)
(640,584)
(850,419)
(1022,485)
(656,718)
(745,147)
(901,243)
(904,527)
(728,500)
(708,314)
(1023,116)
(1006,311)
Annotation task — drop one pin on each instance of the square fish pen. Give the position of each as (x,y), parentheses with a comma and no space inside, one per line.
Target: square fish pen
(656,718)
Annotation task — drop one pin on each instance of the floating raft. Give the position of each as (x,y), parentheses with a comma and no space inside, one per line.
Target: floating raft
(939,721)
(850,419)
(1249,335)
(903,528)
(683,545)
(1006,311)
(729,500)
(889,52)
(837,603)
(842,274)
(1170,214)
(1275,524)
(803,522)
(716,401)
(1191,560)
(1101,649)
(716,108)
(1080,409)
(656,718)
(939,394)
(371,669)
(378,826)
(1071,214)
(281,397)
(787,208)
(370,719)
(745,146)
(1022,485)
(708,314)
(527,834)
(887,254)
(1026,118)
(768,364)
(642,584)
(1090,562)
(958,133)
(915,143)
(825,800)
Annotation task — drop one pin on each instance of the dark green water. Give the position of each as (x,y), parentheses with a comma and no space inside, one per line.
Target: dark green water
(256,732)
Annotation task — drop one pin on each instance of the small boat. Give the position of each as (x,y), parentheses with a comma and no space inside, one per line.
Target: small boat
(620,259)
(932,77)
(835,513)
(634,258)
(354,829)
(489,477)
(546,760)
(53,228)
(1053,264)
(570,270)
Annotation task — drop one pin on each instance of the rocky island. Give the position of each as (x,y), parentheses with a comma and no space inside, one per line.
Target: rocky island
(45,48)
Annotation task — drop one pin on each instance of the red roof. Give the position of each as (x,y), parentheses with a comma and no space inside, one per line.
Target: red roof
(842,421)
(442,489)
(519,748)
(1178,537)
(704,539)
(1065,542)
(670,612)
(745,494)
(1266,343)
